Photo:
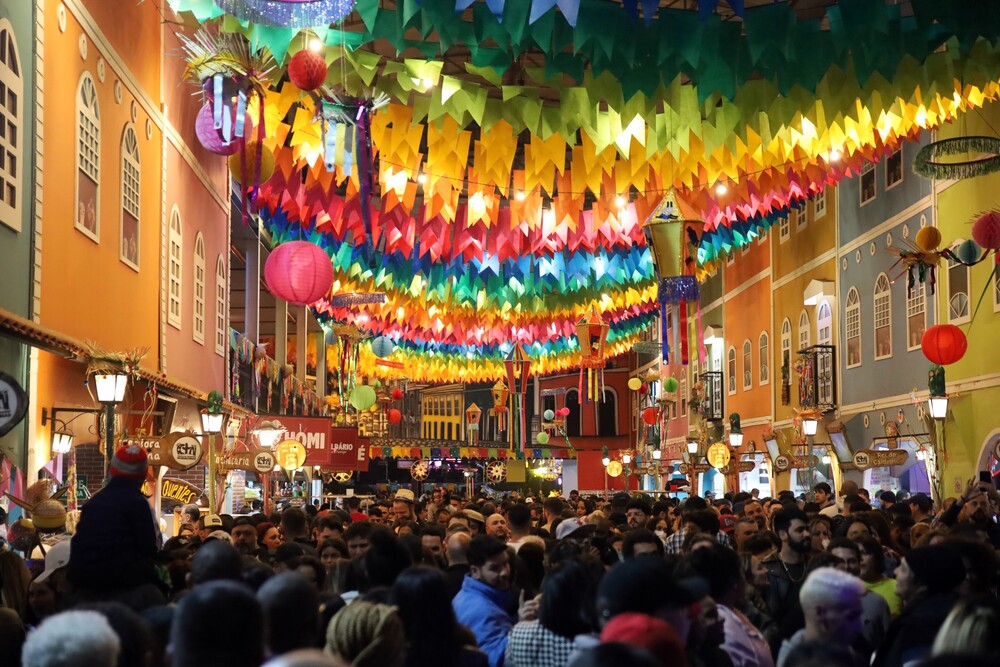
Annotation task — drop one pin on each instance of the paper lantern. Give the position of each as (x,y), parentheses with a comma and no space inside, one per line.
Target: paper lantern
(563,412)
(382,347)
(211,138)
(969,252)
(670,385)
(650,416)
(944,344)
(635,384)
(548,415)
(236,162)
(307,70)
(299,272)
(986,230)
(397,394)
(542,438)
(363,397)
(928,239)
(394,416)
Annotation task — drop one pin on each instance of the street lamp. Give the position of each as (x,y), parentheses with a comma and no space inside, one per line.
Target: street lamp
(809,426)
(110,392)
(269,433)
(657,454)
(735,431)
(938,406)
(605,458)
(212,421)
(692,447)
(62,442)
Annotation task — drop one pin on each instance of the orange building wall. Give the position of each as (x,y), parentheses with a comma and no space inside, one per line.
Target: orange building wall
(746,317)
(132,29)
(87,292)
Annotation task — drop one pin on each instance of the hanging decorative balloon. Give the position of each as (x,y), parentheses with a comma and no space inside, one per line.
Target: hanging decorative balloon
(363,397)
(672,233)
(635,384)
(542,438)
(548,415)
(241,164)
(650,416)
(986,230)
(210,138)
(944,344)
(670,385)
(920,259)
(383,346)
(299,272)
(394,416)
(397,394)
(592,335)
(307,70)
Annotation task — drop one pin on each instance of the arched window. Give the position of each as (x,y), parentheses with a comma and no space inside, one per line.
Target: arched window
(883,317)
(11,131)
(916,315)
(130,180)
(221,334)
(175,260)
(958,289)
(824,336)
(607,414)
(786,344)
(573,427)
(852,328)
(684,390)
(747,365)
(803,330)
(88,159)
(731,369)
(198,332)
(765,360)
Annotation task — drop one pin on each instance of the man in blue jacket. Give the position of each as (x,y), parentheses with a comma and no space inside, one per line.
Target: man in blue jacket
(485,596)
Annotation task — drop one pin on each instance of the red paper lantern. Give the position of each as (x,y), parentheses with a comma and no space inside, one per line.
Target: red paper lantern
(650,416)
(211,138)
(986,230)
(394,416)
(397,394)
(944,344)
(299,272)
(307,70)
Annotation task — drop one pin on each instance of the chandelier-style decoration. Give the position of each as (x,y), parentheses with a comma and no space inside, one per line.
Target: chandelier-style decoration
(592,334)
(289,13)
(518,366)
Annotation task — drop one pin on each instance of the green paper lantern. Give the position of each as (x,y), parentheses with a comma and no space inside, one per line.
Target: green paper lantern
(362,397)
(377,384)
(542,438)
(670,385)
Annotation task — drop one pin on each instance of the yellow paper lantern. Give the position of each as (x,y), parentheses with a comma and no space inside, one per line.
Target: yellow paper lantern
(635,384)
(266,164)
(928,238)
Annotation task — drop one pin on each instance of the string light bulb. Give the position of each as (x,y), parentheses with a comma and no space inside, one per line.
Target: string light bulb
(519,195)
(721,189)
(620,201)
(422,178)
(315,45)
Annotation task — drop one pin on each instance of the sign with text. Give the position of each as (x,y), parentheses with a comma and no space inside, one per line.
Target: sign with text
(349,450)
(313,433)
(13,403)
(174,489)
(257,460)
(178,451)
(871,458)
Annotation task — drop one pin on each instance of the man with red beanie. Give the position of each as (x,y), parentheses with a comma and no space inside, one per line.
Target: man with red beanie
(115,540)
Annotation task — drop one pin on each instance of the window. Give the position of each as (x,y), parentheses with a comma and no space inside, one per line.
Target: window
(11,136)
(824,336)
(221,334)
(199,289)
(765,359)
(803,330)
(174,271)
(958,289)
(607,414)
(786,344)
(684,393)
(784,228)
(747,365)
(801,220)
(731,369)
(894,169)
(852,325)
(916,316)
(573,428)
(131,177)
(88,159)
(867,183)
(883,317)
(819,205)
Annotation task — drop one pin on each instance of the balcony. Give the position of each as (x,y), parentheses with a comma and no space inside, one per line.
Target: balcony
(711,405)
(817,377)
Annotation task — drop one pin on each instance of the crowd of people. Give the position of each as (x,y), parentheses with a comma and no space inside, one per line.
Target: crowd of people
(829,580)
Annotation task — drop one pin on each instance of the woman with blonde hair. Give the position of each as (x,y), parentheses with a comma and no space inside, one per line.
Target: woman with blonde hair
(971,629)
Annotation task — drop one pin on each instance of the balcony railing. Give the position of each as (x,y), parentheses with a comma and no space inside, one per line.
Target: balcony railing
(818,378)
(713,406)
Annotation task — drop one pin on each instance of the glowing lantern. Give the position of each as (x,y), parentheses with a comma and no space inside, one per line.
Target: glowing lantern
(592,334)
(635,384)
(299,272)
(472,416)
(307,70)
(499,410)
(944,344)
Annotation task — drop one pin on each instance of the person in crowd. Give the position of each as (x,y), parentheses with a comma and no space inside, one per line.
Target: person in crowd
(295,529)
(244,536)
(746,528)
(329,527)
(637,513)
(71,639)
(615,654)
(519,522)
(365,634)
(358,538)
(787,571)
(831,603)
(496,527)
(972,511)
(403,506)
(649,634)
(823,496)
(115,540)
(432,539)
(43,600)
(268,538)
(752,509)
(482,603)
(566,612)
(696,518)
(872,562)
(972,629)
(925,582)
(920,508)
(551,510)
(821,529)
(434,637)
(875,615)
(476,521)
(206,632)
(291,613)
(641,542)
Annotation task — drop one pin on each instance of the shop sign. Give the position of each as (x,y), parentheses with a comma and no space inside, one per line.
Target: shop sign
(178,451)
(871,458)
(179,490)
(290,454)
(737,466)
(13,403)
(263,461)
(781,462)
(718,455)
(251,461)
(803,462)
(349,451)
(313,433)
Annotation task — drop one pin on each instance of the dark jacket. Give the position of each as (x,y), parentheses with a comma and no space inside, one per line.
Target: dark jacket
(911,635)
(115,540)
(782,600)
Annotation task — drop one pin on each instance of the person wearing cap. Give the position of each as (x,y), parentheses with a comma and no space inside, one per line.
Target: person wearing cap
(208,524)
(920,508)
(115,540)
(647,633)
(477,523)
(926,581)
(402,506)
(831,601)
(44,592)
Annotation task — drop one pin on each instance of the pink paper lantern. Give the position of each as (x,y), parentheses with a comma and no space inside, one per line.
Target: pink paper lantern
(211,138)
(299,272)
(986,230)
